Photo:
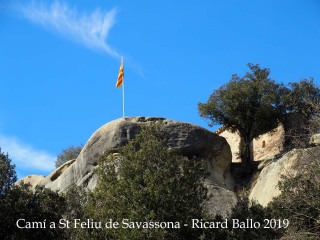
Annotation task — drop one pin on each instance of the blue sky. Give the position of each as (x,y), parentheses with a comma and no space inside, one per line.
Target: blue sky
(59,62)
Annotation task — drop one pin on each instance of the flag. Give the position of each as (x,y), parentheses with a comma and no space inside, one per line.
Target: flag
(120,76)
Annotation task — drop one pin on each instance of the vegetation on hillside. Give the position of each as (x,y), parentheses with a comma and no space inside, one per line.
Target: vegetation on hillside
(299,201)
(147,182)
(20,205)
(8,175)
(300,193)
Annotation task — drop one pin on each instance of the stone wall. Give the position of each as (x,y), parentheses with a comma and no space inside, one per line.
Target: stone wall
(265,146)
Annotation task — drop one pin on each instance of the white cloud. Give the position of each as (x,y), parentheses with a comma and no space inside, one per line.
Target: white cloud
(26,158)
(90,30)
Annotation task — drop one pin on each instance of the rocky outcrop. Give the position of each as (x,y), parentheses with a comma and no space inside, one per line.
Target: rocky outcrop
(190,140)
(219,201)
(266,186)
(315,140)
(33,180)
(57,172)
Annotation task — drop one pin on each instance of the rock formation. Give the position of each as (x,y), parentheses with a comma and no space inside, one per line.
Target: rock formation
(33,180)
(315,140)
(190,140)
(266,186)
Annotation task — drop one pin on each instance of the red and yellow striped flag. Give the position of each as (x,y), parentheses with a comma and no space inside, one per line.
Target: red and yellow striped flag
(120,75)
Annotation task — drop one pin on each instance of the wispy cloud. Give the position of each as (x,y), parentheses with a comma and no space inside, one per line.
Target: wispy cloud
(26,158)
(90,30)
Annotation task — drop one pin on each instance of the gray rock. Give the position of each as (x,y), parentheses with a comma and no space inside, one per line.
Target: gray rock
(315,140)
(33,180)
(219,200)
(266,186)
(189,139)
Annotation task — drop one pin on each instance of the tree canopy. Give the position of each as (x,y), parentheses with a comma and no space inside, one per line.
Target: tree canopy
(303,98)
(41,205)
(252,105)
(67,154)
(21,202)
(8,175)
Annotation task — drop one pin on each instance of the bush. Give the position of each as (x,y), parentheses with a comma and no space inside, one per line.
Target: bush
(68,154)
(8,175)
(243,214)
(299,200)
(148,182)
(42,205)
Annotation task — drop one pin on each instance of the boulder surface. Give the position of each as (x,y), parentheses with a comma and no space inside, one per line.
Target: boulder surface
(189,139)
(33,180)
(266,186)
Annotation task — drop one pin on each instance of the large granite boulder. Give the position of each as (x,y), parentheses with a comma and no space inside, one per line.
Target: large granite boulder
(266,186)
(191,140)
(33,180)
(315,140)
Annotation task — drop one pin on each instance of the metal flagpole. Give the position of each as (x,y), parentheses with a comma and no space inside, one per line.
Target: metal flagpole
(122,88)
(123,98)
